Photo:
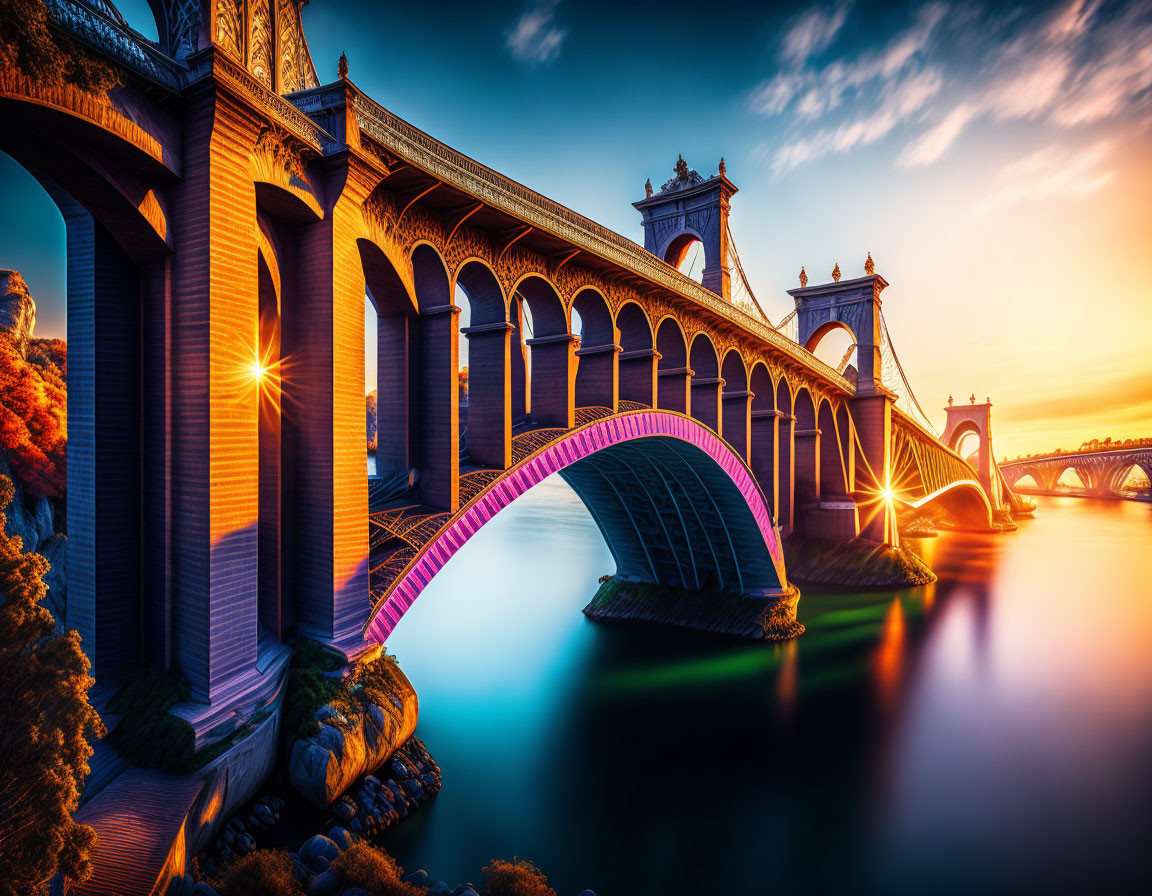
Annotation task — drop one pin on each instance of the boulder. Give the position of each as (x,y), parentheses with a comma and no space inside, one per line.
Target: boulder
(325,884)
(417,878)
(202,889)
(55,551)
(326,764)
(440,888)
(17,310)
(319,849)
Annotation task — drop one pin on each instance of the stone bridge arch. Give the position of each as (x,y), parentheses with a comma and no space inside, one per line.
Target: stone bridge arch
(676,506)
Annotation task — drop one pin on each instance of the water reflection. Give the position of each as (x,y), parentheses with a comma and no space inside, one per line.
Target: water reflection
(992,731)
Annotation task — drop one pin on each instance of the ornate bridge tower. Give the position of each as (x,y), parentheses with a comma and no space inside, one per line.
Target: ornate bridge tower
(688,208)
(975,418)
(852,305)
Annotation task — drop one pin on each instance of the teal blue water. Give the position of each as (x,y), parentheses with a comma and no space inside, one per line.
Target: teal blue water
(989,733)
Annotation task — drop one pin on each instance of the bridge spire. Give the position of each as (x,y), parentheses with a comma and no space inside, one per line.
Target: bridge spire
(689,207)
(342,67)
(836,273)
(869,265)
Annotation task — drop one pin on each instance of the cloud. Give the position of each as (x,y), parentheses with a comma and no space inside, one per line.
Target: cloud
(931,145)
(533,37)
(1077,70)
(1082,62)
(1047,174)
(813,32)
(899,100)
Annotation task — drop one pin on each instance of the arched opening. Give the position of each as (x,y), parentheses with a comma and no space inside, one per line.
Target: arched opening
(763,433)
(1134,481)
(835,345)
(637,357)
(672,371)
(686,254)
(1070,479)
(98,274)
(273,612)
(785,474)
(550,363)
(832,479)
(806,441)
(1027,481)
(967,445)
(736,403)
(495,379)
(705,364)
(597,383)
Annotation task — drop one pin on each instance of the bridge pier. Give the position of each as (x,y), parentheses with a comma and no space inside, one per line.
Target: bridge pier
(872,417)
(104,438)
(553,380)
(490,392)
(597,380)
(764,441)
(736,422)
(705,398)
(638,376)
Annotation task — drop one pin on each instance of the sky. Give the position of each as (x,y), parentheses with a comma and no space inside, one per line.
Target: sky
(995,159)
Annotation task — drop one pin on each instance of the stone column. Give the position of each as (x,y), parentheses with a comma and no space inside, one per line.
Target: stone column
(785,472)
(597,376)
(873,416)
(674,392)
(638,376)
(706,400)
(554,379)
(436,407)
(806,454)
(394,334)
(763,450)
(104,474)
(215,456)
(490,394)
(736,422)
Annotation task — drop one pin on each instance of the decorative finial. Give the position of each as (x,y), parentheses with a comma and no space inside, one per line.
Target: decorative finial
(949,401)
(836,272)
(723,167)
(648,187)
(342,67)
(869,265)
(988,399)
(681,169)
(803,277)
(972,398)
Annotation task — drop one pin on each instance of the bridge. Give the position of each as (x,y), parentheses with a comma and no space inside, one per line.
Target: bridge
(226,215)
(1102,471)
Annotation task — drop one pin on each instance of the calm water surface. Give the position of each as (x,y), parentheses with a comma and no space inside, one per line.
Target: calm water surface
(991,732)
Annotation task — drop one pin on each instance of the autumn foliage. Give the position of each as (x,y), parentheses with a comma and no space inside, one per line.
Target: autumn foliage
(34,414)
(516,878)
(48,726)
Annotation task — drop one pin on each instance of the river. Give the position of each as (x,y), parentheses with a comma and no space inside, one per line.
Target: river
(989,733)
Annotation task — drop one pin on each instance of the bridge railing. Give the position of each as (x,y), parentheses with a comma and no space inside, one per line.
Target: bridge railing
(94,28)
(464,173)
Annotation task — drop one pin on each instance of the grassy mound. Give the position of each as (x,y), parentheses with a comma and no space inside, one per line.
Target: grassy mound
(857,563)
(719,612)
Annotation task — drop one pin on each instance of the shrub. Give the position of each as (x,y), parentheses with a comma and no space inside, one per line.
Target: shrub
(45,55)
(47,727)
(148,735)
(367,866)
(516,878)
(265,872)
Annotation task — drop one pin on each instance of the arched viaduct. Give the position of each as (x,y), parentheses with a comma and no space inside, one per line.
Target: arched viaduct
(226,216)
(1102,473)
